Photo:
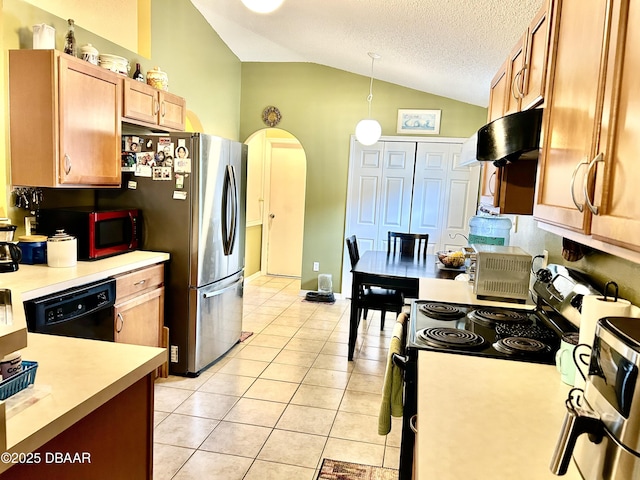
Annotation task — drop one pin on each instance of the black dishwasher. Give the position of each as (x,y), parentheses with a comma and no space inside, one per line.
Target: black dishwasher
(83,312)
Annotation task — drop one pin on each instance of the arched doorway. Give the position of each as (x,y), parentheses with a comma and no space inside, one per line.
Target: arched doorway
(276,183)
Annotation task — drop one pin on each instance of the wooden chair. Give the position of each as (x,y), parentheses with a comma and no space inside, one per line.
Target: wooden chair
(411,244)
(373,298)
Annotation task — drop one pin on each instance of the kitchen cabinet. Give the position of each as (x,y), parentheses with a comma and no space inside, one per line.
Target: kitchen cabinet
(65,121)
(572,117)
(518,85)
(616,210)
(145,105)
(139,308)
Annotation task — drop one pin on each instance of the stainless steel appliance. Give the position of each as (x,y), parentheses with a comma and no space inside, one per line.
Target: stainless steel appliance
(99,233)
(608,413)
(506,331)
(10,256)
(82,312)
(500,272)
(197,215)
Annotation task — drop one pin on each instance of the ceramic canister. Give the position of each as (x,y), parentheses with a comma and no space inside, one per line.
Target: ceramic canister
(34,249)
(89,54)
(62,250)
(158,79)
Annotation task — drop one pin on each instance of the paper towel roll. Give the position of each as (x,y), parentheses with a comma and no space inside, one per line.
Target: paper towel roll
(595,307)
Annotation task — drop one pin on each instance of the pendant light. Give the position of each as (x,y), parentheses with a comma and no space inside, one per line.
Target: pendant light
(262,6)
(368,131)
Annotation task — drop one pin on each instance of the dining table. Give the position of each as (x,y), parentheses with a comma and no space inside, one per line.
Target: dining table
(380,269)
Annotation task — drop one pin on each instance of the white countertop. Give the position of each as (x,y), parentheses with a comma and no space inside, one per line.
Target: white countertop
(82,374)
(457,291)
(483,418)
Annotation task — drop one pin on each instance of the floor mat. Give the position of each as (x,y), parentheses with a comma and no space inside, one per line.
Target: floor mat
(337,470)
(245,335)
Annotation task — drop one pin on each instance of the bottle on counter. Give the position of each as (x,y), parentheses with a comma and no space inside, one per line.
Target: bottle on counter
(70,39)
(137,75)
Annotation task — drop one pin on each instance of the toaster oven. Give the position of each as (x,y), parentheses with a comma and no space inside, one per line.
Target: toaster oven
(500,272)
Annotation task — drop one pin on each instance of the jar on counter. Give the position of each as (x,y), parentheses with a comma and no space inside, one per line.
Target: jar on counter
(34,249)
(158,79)
(62,250)
(89,54)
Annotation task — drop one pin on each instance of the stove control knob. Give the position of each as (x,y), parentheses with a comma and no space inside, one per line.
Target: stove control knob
(544,275)
(576,302)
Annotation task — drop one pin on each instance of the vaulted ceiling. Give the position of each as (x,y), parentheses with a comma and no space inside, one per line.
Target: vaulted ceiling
(449,48)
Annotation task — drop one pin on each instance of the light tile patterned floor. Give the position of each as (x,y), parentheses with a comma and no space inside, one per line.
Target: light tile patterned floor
(280,402)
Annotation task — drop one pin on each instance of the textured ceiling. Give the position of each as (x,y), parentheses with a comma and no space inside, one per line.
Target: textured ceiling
(449,48)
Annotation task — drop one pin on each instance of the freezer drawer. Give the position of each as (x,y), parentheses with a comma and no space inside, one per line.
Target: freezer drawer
(218,320)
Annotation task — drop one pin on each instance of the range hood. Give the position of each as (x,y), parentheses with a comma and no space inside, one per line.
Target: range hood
(510,138)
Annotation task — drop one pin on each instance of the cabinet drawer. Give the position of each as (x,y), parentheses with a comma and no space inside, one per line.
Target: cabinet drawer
(138,281)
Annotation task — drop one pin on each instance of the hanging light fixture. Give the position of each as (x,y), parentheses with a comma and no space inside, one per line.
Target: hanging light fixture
(368,131)
(262,6)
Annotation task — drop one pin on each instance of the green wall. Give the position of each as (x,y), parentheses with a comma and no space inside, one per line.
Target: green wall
(321,106)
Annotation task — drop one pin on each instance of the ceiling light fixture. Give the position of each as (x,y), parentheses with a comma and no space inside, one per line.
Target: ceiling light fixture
(262,6)
(368,131)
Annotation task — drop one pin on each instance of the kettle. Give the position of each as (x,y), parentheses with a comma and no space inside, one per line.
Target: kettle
(10,256)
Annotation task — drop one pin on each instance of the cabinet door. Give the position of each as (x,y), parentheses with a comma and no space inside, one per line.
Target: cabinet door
(139,321)
(173,111)
(535,69)
(140,101)
(572,116)
(89,109)
(515,81)
(618,210)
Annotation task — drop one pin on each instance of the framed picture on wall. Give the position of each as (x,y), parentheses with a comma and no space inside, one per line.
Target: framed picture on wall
(419,121)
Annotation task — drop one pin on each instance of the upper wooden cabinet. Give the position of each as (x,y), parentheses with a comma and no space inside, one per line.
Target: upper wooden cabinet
(572,117)
(527,65)
(147,106)
(65,121)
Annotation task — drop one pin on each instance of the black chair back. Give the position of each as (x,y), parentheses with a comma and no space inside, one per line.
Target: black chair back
(410,243)
(352,248)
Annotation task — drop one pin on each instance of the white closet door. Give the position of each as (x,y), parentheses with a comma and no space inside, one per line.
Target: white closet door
(445,195)
(397,187)
(378,196)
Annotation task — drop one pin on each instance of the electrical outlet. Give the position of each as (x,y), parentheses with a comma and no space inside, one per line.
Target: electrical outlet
(316,266)
(545,258)
(174,354)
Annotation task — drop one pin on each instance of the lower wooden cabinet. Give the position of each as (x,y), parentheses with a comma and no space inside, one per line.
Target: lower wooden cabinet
(139,309)
(140,320)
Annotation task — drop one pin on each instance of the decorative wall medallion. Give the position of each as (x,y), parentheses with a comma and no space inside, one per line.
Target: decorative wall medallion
(271,116)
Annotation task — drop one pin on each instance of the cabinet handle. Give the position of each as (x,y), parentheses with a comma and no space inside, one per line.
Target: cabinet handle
(67,164)
(585,184)
(492,183)
(121,318)
(156,106)
(516,91)
(164,109)
(413,423)
(141,282)
(573,181)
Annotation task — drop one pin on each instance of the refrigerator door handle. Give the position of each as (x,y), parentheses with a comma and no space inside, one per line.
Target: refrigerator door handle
(234,218)
(225,208)
(220,292)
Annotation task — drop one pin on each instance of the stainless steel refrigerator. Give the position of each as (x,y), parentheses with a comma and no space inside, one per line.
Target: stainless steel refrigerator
(197,215)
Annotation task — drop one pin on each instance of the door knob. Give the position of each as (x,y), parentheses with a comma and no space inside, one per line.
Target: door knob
(272,215)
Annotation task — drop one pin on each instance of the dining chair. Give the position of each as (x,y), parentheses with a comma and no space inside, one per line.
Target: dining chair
(370,297)
(410,244)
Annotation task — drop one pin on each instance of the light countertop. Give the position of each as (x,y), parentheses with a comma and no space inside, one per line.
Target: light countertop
(457,291)
(81,374)
(485,418)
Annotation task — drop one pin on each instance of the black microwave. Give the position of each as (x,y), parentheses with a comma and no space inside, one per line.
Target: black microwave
(99,233)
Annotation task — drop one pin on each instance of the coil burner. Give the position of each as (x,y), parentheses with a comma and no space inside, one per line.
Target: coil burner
(441,311)
(490,316)
(444,337)
(520,346)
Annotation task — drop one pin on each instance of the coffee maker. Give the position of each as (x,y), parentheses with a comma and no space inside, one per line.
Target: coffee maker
(602,429)
(10,256)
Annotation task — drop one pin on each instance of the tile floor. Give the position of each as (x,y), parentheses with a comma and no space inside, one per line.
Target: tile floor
(280,402)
